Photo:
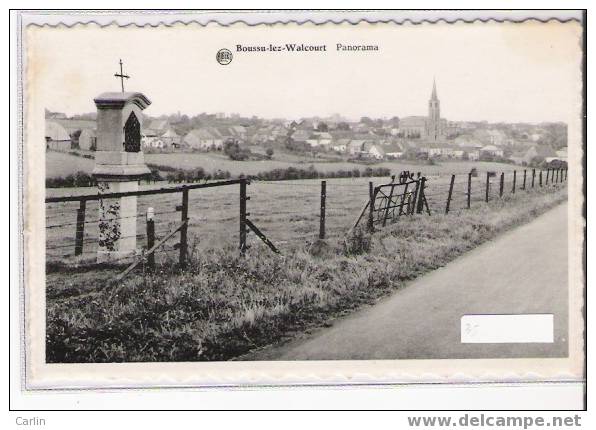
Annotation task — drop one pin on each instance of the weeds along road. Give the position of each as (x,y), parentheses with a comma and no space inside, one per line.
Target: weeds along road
(522,271)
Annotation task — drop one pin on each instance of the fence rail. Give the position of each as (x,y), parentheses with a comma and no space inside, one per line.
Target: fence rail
(312,210)
(170,190)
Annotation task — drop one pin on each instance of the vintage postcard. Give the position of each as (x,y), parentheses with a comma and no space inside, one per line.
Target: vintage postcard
(210,203)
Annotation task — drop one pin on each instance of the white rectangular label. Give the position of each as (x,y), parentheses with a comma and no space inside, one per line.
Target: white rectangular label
(534,328)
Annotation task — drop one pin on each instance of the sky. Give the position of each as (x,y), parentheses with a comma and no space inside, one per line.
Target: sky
(528,72)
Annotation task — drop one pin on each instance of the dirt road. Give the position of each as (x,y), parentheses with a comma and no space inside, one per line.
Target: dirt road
(523,271)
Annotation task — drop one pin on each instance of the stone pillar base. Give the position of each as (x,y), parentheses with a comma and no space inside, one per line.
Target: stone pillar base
(115,256)
(117,221)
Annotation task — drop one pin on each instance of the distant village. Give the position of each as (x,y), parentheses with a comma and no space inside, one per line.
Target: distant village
(412,137)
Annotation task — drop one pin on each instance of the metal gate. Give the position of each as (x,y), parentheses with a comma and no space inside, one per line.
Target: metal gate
(404,197)
(388,202)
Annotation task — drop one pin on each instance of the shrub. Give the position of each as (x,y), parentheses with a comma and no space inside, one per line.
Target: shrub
(357,243)
(79,179)
(233,150)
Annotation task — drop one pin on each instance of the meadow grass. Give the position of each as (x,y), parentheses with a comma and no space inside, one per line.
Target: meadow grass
(224,305)
(60,164)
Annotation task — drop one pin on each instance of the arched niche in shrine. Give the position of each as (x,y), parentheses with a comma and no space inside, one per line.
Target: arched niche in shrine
(132,134)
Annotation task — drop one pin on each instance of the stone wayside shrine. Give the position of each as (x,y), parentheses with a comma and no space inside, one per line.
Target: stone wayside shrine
(119,165)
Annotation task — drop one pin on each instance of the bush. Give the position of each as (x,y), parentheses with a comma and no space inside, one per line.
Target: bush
(233,150)
(359,242)
(79,179)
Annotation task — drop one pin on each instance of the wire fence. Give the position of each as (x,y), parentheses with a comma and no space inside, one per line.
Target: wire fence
(281,214)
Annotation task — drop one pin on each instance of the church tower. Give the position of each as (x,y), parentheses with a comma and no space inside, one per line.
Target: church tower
(433,125)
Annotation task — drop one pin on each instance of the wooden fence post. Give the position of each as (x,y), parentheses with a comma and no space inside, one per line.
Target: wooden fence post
(540,178)
(547,175)
(487,186)
(514,178)
(558,170)
(184,229)
(323,202)
(566,169)
(243,200)
(413,205)
(469,189)
(371,206)
(524,184)
(501,184)
(150,238)
(533,176)
(450,193)
(80,230)
(421,196)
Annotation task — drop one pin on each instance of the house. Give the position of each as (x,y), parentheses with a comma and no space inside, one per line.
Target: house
(320,139)
(491,137)
(434,150)
(473,154)
(170,138)
(57,137)
(560,155)
(260,137)
(201,138)
(341,145)
(393,149)
(457,154)
(374,150)
(497,137)
(300,136)
(238,131)
(150,133)
(88,139)
(355,147)
(491,150)
(223,133)
(153,142)
(74,126)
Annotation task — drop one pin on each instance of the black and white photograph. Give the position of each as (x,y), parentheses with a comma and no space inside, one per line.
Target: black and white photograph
(395,195)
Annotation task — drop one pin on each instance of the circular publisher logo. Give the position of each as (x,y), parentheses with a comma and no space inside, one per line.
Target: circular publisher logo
(224,56)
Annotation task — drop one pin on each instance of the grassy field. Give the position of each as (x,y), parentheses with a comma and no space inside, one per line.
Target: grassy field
(223,305)
(62,164)
(212,161)
(286,211)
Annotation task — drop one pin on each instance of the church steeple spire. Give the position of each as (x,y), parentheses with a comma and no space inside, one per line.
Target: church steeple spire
(434,93)
(433,124)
